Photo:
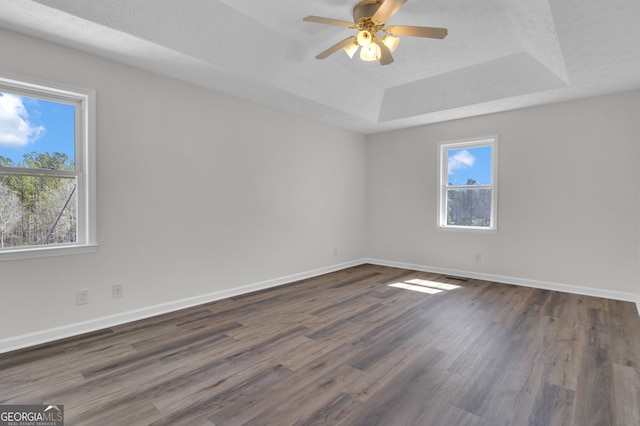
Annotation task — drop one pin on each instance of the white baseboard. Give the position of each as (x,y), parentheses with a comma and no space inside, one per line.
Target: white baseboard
(49,335)
(545,285)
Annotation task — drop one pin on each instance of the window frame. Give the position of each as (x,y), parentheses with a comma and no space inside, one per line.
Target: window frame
(84,162)
(443,181)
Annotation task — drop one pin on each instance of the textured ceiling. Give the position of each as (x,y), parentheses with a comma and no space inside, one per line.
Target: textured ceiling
(499,54)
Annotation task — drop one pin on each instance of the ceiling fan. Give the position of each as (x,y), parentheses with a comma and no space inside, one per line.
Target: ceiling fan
(370,18)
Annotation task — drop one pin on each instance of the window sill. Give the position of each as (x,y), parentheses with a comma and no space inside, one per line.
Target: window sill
(37,252)
(467,229)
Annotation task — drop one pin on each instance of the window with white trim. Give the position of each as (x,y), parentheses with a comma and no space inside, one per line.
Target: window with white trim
(468,184)
(47,169)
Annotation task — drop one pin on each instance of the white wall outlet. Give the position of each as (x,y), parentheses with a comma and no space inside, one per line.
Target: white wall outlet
(477,257)
(116,291)
(82,296)
(335,252)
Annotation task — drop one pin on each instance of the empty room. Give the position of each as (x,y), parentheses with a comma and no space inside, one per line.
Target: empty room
(378,212)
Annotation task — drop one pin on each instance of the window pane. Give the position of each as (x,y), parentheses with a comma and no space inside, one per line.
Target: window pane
(36,133)
(469,166)
(469,207)
(37,210)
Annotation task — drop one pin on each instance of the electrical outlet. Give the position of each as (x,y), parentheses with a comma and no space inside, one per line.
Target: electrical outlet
(82,296)
(116,291)
(477,257)
(335,252)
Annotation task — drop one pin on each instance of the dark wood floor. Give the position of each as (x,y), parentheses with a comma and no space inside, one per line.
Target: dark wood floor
(348,348)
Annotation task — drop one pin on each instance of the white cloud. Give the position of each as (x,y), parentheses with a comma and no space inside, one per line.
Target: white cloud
(461,160)
(15,128)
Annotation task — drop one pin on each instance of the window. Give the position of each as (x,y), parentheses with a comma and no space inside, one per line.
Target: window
(468,184)
(47,169)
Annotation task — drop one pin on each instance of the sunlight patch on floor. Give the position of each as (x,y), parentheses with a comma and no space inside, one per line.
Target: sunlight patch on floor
(425,286)
(416,288)
(434,284)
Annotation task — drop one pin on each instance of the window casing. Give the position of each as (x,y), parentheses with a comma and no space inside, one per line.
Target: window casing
(74,184)
(468,184)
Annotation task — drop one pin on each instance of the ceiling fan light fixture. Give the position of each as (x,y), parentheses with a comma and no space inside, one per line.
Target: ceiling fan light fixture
(352,49)
(364,38)
(375,40)
(370,53)
(391,42)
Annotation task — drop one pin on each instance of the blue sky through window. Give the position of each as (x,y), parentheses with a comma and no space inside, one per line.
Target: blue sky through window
(29,124)
(469,163)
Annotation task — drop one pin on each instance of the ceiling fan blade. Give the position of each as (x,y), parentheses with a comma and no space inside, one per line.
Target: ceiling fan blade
(407,30)
(386,58)
(339,45)
(387,10)
(329,21)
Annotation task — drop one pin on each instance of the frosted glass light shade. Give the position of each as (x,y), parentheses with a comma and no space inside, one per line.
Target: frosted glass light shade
(371,52)
(391,42)
(364,38)
(352,49)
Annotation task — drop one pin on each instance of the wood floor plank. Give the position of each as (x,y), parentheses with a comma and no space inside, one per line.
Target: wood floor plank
(138,413)
(595,392)
(201,405)
(627,394)
(563,355)
(320,399)
(369,345)
(625,345)
(553,406)
(406,398)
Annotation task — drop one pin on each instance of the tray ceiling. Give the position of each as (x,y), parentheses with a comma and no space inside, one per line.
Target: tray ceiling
(499,55)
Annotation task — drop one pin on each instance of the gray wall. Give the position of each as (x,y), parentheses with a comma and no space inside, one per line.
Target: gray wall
(197,193)
(568,195)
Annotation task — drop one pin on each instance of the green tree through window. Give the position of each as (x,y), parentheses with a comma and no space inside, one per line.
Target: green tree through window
(47,162)
(468,184)
(37,209)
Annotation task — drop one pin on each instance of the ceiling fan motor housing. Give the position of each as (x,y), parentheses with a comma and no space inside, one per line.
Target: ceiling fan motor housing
(365,9)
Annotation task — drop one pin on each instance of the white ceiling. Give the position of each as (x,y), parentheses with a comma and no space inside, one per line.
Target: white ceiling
(499,54)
